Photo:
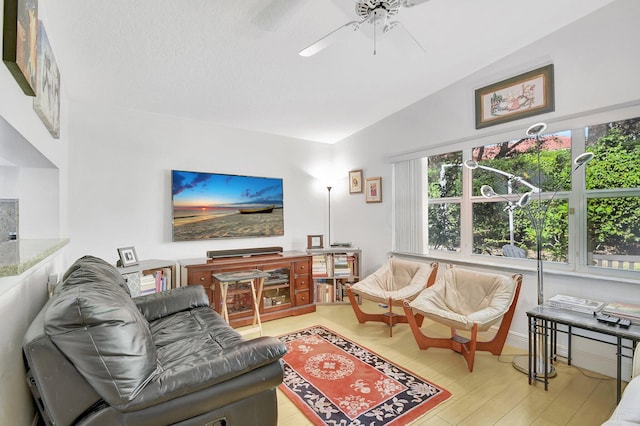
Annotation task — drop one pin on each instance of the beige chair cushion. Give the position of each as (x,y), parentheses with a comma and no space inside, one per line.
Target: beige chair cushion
(463,297)
(397,279)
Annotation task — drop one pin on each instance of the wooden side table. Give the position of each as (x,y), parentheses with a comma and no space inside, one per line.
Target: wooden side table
(255,278)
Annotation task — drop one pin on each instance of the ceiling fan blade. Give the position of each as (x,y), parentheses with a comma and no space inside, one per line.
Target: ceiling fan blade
(397,27)
(330,38)
(411,3)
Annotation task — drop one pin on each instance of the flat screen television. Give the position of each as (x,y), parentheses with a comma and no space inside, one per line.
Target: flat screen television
(218,205)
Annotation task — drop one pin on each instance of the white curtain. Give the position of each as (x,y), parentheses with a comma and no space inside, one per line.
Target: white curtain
(409,206)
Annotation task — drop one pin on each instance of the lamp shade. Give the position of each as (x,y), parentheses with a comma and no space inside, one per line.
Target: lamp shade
(535,129)
(487,191)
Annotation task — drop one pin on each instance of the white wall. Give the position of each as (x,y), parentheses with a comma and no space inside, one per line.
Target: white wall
(595,68)
(120,195)
(42,194)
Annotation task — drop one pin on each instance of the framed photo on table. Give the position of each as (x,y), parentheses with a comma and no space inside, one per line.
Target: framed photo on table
(314,242)
(355,181)
(128,256)
(524,95)
(373,189)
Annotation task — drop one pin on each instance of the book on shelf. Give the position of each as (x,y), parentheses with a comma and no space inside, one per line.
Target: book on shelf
(319,266)
(577,304)
(324,293)
(147,284)
(341,266)
(624,310)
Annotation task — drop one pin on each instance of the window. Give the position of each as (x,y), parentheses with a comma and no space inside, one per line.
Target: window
(505,194)
(613,201)
(444,177)
(538,166)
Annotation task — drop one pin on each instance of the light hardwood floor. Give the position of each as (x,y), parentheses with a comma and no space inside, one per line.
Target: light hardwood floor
(494,394)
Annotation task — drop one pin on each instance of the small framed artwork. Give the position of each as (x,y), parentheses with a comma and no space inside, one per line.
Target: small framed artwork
(524,95)
(314,242)
(355,181)
(47,101)
(128,256)
(373,188)
(19,49)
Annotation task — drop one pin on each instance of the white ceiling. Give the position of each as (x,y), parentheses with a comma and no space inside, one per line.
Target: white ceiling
(214,60)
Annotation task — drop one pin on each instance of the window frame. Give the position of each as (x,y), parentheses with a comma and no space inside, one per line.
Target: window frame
(577,199)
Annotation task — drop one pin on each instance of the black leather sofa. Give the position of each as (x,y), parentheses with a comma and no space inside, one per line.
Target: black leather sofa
(95,356)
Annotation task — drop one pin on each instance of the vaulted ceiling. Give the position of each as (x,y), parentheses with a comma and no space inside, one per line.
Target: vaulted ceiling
(236,62)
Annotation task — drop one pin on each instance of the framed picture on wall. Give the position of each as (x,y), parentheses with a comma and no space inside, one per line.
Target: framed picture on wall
(355,181)
(524,95)
(128,256)
(373,188)
(19,49)
(47,101)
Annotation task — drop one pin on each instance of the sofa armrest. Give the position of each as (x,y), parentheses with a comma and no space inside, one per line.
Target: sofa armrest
(165,303)
(205,370)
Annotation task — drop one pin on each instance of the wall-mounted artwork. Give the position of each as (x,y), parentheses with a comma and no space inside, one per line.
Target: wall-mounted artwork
(355,181)
(19,46)
(217,205)
(373,188)
(524,95)
(47,101)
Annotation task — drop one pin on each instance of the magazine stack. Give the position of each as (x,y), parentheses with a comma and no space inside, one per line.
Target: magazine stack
(576,304)
(623,310)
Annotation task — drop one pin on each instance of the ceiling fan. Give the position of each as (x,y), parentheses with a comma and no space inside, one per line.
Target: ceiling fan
(377,13)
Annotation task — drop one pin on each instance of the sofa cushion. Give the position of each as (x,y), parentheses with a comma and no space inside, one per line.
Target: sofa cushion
(94,322)
(98,269)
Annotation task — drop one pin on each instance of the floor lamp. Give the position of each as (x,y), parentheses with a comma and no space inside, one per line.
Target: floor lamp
(329,233)
(538,220)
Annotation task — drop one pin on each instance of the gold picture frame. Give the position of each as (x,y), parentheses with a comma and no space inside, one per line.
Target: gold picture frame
(373,188)
(355,181)
(522,96)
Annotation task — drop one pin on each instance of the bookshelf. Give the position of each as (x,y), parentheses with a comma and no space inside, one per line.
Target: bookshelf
(331,270)
(149,276)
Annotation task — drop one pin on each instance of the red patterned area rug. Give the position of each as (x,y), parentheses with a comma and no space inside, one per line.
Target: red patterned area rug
(334,381)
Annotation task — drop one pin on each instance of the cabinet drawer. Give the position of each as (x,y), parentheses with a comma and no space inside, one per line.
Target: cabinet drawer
(301,268)
(302,283)
(303,297)
(201,277)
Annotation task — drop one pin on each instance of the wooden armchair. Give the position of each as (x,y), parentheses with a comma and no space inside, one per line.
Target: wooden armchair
(397,280)
(466,300)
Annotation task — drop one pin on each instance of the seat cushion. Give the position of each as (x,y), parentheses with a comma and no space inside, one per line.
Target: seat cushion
(398,279)
(627,412)
(464,297)
(95,323)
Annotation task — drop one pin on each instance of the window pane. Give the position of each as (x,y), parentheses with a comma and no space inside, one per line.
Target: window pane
(493,229)
(614,232)
(445,175)
(444,226)
(616,147)
(519,157)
